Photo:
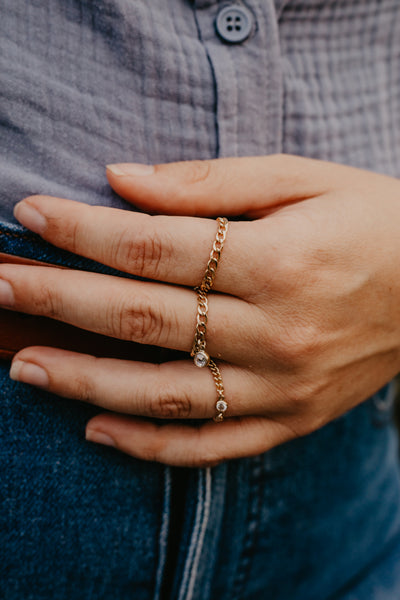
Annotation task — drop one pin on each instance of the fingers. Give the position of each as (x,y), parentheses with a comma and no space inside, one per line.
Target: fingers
(176,250)
(170,249)
(171,391)
(174,390)
(185,446)
(225,186)
(143,312)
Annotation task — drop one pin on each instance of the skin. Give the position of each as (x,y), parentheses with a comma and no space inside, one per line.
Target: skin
(304,316)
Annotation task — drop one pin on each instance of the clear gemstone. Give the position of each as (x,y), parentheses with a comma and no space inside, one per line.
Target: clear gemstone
(201,359)
(221,406)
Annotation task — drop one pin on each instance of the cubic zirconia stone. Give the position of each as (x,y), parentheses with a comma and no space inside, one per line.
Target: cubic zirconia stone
(201,359)
(221,406)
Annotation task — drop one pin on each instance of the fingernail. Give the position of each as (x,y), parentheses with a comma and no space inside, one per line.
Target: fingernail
(98,437)
(6,293)
(30,217)
(124,169)
(27,372)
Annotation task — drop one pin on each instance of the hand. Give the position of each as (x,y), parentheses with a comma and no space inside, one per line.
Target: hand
(304,316)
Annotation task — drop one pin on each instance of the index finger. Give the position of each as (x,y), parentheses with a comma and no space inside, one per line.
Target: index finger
(163,248)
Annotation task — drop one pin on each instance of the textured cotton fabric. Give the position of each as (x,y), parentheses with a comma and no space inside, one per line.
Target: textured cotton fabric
(84,83)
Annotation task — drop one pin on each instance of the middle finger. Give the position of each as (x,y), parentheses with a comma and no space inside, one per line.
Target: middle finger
(144,312)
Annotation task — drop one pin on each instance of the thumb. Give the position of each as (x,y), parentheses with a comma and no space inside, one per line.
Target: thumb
(225,186)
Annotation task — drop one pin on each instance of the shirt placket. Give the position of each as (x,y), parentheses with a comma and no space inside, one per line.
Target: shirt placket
(242,45)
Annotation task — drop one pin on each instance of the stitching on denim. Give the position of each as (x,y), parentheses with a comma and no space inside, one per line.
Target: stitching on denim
(15,234)
(194,538)
(164,531)
(58,256)
(255,502)
(200,544)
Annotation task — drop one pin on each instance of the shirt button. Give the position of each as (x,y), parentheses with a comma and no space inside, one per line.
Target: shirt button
(234,24)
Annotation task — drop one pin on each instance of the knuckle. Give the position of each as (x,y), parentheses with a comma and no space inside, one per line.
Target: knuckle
(296,345)
(74,234)
(304,407)
(203,455)
(298,399)
(67,234)
(191,192)
(287,273)
(139,321)
(144,253)
(169,403)
(47,302)
(153,450)
(84,389)
(199,170)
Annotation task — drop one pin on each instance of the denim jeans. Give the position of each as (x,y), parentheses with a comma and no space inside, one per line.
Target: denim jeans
(314,519)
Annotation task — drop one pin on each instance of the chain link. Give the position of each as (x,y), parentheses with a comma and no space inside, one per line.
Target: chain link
(199,342)
(215,255)
(198,351)
(220,405)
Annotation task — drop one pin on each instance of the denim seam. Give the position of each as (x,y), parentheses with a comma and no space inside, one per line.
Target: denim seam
(33,246)
(244,563)
(16,235)
(164,531)
(200,544)
(194,538)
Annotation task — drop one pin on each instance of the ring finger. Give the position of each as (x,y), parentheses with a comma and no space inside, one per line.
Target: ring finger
(174,390)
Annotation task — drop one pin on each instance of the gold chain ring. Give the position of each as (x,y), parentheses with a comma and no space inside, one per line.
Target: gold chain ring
(220,405)
(200,357)
(215,255)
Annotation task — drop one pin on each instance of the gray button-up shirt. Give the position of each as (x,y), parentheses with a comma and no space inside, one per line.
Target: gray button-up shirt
(84,84)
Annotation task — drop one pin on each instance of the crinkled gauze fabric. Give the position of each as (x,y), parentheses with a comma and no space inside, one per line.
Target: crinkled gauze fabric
(90,82)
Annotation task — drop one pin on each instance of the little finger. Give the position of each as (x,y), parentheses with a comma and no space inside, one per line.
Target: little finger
(182,445)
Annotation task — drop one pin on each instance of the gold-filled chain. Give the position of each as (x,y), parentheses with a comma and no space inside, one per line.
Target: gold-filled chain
(198,352)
